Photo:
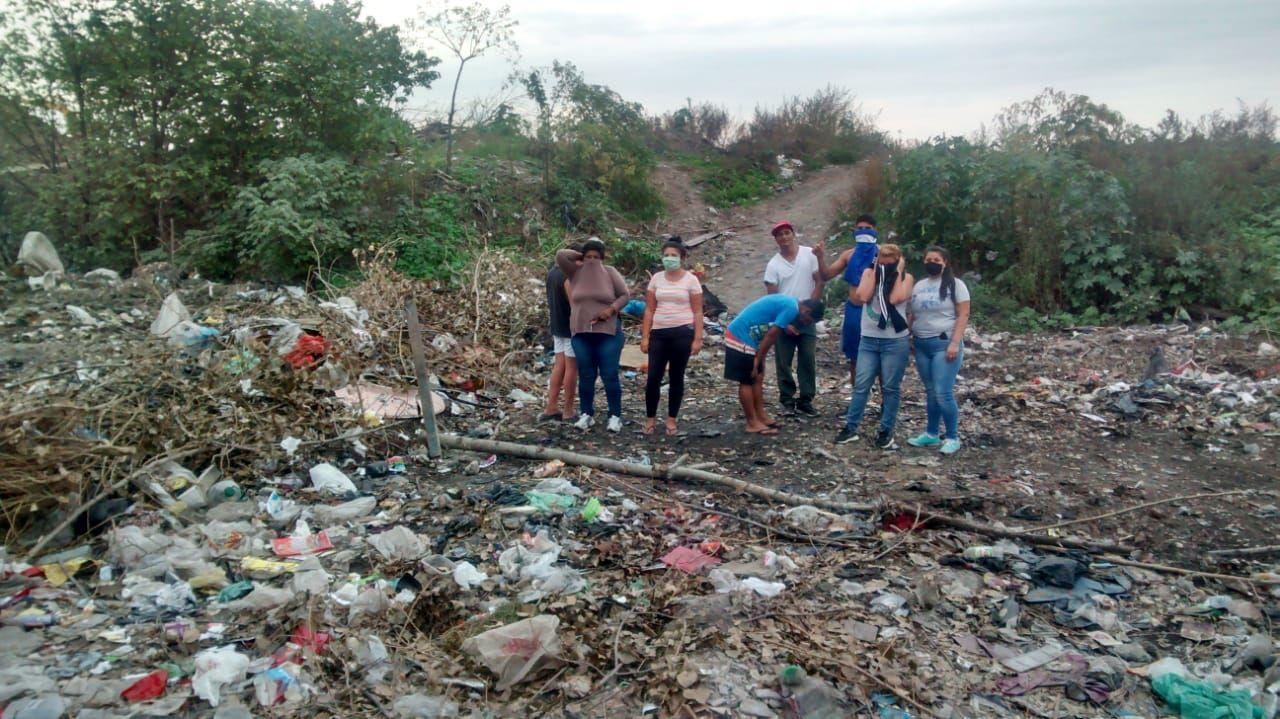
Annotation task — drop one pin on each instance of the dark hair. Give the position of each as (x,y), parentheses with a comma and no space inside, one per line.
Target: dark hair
(948,277)
(593,244)
(677,243)
(575,246)
(816,308)
(867,218)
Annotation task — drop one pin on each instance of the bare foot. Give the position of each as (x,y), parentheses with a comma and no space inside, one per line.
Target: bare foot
(760,429)
(649,424)
(770,422)
(671,427)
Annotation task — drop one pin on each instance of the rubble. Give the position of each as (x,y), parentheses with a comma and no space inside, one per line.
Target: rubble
(210,528)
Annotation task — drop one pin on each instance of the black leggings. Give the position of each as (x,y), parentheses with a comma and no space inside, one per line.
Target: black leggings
(669,346)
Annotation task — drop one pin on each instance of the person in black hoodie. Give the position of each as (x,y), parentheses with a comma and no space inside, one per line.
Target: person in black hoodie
(884,291)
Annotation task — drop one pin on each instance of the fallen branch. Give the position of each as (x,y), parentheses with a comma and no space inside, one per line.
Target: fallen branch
(1138,507)
(1246,551)
(659,471)
(654,471)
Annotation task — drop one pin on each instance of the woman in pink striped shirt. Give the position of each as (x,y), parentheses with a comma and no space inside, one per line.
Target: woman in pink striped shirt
(672,331)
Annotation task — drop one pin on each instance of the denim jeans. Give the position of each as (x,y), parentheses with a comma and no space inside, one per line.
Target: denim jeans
(888,359)
(939,378)
(598,355)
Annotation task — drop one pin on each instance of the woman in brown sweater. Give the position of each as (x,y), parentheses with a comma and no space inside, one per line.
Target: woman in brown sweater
(597,293)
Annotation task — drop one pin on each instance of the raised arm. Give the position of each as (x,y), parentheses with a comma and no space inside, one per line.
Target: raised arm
(567,261)
(902,285)
(833,270)
(866,286)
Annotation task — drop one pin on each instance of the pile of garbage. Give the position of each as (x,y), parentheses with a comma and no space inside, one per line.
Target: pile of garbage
(219,503)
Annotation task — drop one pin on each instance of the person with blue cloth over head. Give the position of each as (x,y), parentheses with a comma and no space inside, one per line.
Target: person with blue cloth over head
(849,266)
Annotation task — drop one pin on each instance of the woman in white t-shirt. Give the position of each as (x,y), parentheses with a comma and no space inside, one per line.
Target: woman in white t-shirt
(671,331)
(938,315)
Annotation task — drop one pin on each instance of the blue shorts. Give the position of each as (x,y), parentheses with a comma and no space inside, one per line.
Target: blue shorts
(851,331)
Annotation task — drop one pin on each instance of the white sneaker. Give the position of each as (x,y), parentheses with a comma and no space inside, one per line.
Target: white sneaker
(615,424)
(586,421)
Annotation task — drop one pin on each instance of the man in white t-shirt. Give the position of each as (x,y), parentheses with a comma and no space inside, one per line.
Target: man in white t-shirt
(796,271)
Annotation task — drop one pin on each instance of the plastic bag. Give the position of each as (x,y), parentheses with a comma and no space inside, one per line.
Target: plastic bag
(216,668)
(763,588)
(45,706)
(172,313)
(371,653)
(278,684)
(310,578)
(555,580)
(347,511)
(328,478)
(514,651)
(558,485)
(262,598)
(148,687)
(398,544)
(421,706)
(529,559)
(372,601)
(132,546)
(38,255)
(549,502)
(467,576)
(1202,700)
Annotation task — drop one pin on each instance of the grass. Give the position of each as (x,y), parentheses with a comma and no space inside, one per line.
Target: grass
(728,182)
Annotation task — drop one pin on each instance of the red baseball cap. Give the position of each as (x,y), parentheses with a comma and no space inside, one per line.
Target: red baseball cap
(781,225)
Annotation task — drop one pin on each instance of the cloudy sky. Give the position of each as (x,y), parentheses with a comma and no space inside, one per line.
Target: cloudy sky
(924,66)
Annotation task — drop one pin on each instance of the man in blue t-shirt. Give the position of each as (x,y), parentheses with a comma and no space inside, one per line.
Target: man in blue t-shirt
(747,342)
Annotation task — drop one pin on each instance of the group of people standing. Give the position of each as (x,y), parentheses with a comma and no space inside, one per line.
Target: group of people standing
(888,317)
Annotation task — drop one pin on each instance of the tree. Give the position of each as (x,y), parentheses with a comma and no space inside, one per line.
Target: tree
(468,31)
(147,115)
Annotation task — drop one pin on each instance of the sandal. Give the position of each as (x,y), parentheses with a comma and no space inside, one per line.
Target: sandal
(550,417)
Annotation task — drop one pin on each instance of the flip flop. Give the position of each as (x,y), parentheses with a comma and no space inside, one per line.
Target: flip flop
(672,431)
(549,416)
(647,429)
(766,431)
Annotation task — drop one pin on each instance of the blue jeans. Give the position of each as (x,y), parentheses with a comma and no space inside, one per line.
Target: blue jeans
(598,355)
(939,378)
(888,359)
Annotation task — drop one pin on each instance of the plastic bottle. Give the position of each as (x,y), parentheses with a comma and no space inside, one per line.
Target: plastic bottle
(984,552)
(225,491)
(811,697)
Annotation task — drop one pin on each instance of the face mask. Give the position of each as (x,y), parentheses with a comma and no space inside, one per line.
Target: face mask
(670,262)
(933,268)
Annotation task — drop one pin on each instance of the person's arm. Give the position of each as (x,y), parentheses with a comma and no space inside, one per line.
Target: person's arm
(902,284)
(820,275)
(567,261)
(568,292)
(695,301)
(770,280)
(770,339)
(866,286)
(833,270)
(646,325)
(620,290)
(957,332)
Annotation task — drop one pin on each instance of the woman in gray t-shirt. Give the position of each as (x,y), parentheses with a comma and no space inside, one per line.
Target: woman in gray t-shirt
(938,313)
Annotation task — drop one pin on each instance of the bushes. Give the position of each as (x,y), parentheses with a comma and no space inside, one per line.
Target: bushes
(1071,209)
(824,128)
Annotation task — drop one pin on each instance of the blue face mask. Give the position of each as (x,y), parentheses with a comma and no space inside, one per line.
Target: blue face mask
(866,231)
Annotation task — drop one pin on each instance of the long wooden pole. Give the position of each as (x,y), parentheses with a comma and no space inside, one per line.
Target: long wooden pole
(424,380)
(659,471)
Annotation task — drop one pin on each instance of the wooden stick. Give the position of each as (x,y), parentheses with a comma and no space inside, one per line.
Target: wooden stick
(659,471)
(424,379)
(655,471)
(1166,569)
(1245,551)
(1138,507)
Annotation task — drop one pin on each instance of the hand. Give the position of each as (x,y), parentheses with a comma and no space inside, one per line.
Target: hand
(696,347)
(820,249)
(902,264)
(644,345)
(953,350)
(605,315)
(756,370)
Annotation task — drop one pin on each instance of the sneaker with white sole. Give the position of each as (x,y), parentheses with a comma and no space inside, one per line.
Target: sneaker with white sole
(924,439)
(884,440)
(950,446)
(615,424)
(847,435)
(584,422)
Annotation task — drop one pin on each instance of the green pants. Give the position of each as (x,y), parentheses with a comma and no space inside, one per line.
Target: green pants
(806,367)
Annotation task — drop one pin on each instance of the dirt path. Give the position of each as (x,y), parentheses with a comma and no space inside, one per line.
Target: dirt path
(736,261)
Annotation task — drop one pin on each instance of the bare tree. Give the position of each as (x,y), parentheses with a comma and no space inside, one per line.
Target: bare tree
(467,31)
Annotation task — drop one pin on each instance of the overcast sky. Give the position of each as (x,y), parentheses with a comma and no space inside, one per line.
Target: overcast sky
(926,67)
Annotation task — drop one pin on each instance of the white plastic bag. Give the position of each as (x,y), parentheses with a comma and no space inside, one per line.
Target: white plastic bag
(216,668)
(514,651)
(763,588)
(559,485)
(328,478)
(262,598)
(421,706)
(347,511)
(467,576)
(172,313)
(398,544)
(38,255)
